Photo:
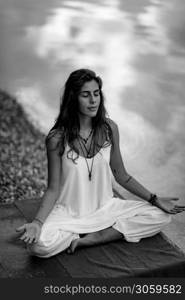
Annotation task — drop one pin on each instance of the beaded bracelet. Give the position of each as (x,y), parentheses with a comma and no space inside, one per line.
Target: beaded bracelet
(153,198)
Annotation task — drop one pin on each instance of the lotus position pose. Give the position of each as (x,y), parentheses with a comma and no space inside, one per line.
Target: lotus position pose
(79,208)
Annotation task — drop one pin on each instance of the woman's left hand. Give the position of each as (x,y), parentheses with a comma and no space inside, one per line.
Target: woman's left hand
(167,204)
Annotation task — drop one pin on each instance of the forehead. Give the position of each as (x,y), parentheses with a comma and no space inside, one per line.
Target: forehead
(90,86)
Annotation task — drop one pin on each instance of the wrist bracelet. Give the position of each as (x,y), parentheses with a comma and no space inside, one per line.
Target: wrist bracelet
(130,177)
(39,221)
(153,198)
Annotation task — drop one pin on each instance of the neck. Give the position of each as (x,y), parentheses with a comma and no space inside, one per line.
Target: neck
(85,123)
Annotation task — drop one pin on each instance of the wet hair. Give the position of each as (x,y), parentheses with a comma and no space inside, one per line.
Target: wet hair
(67,123)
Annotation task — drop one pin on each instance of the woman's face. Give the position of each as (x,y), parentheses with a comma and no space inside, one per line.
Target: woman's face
(89,99)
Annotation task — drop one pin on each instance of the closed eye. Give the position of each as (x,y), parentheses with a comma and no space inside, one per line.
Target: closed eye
(84,94)
(96,93)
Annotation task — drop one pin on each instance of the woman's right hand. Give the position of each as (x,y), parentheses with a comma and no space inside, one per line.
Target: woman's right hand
(31,232)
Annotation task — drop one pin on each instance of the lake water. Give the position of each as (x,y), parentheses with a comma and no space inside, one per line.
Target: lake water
(137,47)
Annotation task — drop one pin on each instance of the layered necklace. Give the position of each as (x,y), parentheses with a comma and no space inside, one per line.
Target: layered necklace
(85,140)
(82,142)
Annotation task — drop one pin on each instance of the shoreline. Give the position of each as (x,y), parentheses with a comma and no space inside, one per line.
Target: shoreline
(23,171)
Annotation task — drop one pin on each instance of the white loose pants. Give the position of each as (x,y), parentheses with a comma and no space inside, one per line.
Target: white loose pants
(134,219)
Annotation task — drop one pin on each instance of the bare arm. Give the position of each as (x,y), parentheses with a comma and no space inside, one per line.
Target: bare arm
(132,185)
(31,231)
(54,170)
(119,171)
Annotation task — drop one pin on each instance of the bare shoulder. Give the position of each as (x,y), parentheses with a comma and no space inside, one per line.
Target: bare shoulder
(53,138)
(113,125)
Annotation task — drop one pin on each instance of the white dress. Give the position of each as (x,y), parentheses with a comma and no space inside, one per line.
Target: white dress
(86,206)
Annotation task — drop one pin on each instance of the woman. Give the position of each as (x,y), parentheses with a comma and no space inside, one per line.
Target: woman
(78,207)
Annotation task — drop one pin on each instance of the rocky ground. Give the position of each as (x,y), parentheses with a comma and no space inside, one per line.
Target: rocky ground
(23,164)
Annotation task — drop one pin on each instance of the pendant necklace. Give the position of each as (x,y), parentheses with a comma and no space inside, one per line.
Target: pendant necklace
(85,140)
(88,168)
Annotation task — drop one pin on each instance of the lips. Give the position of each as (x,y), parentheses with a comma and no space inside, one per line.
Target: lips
(92,108)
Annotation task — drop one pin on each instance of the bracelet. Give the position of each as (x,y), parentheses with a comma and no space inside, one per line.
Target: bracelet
(153,198)
(130,177)
(38,221)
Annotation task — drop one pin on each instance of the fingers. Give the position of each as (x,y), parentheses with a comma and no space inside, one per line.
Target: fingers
(177,209)
(32,239)
(36,238)
(24,237)
(27,238)
(172,212)
(21,228)
(31,233)
(180,207)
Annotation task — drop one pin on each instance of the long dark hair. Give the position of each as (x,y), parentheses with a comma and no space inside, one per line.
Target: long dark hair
(67,123)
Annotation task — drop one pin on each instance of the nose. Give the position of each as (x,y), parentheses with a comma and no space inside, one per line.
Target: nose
(92,98)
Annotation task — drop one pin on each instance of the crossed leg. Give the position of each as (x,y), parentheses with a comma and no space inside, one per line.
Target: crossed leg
(144,224)
(95,238)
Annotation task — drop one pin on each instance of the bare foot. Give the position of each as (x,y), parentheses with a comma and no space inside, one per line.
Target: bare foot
(95,238)
(74,244)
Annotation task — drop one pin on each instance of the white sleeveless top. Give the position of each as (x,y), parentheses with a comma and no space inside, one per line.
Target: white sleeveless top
(80,196)
(85,206)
